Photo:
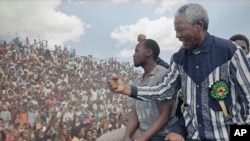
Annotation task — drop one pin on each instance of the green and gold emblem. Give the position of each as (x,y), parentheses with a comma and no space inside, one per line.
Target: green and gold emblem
(219,91)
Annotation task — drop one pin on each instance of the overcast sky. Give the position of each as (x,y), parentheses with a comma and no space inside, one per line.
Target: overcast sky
(109,28)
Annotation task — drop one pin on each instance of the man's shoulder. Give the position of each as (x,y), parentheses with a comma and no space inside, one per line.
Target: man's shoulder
(221,41)
(161,68)
(161,62)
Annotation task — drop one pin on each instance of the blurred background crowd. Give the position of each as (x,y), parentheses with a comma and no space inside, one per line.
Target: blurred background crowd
(38,83)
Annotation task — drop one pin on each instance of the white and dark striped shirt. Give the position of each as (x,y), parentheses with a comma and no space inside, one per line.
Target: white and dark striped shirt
(195,72)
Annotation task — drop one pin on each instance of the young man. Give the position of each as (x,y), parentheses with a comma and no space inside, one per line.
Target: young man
(213,74)
(242,41)
(147,121)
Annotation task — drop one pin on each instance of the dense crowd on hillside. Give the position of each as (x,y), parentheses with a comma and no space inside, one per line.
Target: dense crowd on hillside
(42,90)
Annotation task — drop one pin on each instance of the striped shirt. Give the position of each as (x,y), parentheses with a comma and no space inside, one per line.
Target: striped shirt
(149,111)
(195,72)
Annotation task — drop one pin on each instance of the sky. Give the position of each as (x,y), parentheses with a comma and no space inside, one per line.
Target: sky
(109,28)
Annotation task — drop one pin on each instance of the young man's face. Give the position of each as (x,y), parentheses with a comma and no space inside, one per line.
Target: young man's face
(243,45)
(139,55)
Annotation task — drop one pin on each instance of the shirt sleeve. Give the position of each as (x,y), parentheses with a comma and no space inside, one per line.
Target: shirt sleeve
(240,72)
(163,90)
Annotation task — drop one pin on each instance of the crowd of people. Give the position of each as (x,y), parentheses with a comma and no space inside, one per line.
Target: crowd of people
(43,89)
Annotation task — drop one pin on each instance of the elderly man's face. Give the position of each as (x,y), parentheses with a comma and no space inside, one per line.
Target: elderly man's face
(189,34)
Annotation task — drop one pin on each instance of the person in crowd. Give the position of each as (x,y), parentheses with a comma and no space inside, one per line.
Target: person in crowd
(5,115)
(23,115)
(242,41)
(94,128)
(88,135)
(78,133)
(2,131)
(63,133)
(122,120)
(213,74)
(31,115)
(147,120)
(23,132)
(42,131)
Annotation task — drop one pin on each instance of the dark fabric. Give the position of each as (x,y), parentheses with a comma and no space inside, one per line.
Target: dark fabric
(157,138)
(161,62)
